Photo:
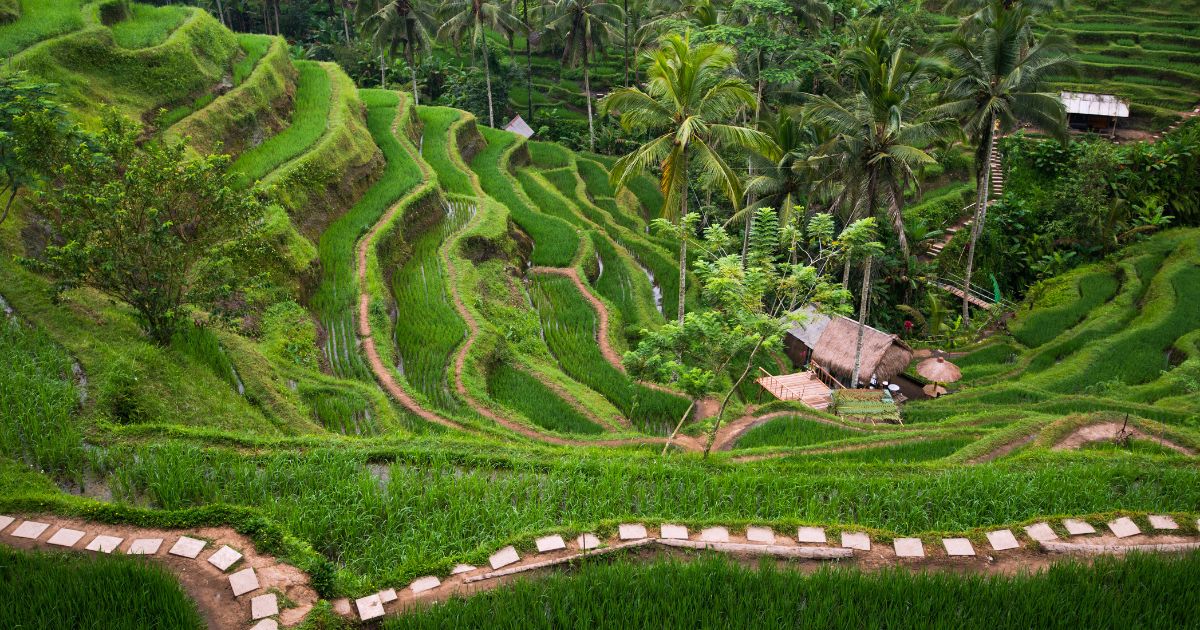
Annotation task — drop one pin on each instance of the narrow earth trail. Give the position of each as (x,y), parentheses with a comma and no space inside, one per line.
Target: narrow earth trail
(827,451)
(218,568)
(1107,431)
(1003,450)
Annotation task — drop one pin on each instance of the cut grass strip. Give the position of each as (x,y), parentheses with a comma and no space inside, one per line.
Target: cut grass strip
(313,101)
(793,431)
(520,391)
(148,25)
(40,20)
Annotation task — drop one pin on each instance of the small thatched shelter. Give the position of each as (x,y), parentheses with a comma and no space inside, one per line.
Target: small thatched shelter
(831,342)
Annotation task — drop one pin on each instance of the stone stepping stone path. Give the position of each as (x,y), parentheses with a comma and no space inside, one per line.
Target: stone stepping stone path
(145,546)
(714,535)
(266,624)
(856,540)
(187,547)
(224,558)
(243,582)
(631,531)
(104,544)
(30,529)
(1002,540)
(1041,532)
(762,535)
(1163,522)
(466,568)
(427,583)
(550,543)
(909,548)
(65,537)
(815,535)
(388,596)
(504,557)
(674,532)
(587,542)
(958,547)
(264,606)
(1077,527)
(5,521)
(1124,527)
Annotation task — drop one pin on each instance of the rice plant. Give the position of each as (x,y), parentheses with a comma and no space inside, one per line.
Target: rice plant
(148,25)
(310,111)
(436,148)
(794,431)
(91,592)
(626,286)
(521,391)
(339,410)
(40,21)
(201,344)
(569,326)
(255,47)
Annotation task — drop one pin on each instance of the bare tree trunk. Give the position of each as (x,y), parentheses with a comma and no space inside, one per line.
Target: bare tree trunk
(221,13)
(412,67)
(528,62)
(864,298)
(345,25)
(382,72)
(721,414)
(587,88)
(683,239)
(678,427)
(981,201)
(487,73)
(625,22)
(278,28)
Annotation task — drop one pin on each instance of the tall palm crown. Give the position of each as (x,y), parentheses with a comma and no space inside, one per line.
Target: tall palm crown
(999,67)
(470,20)
(689,92)
(585,26)
(781,180)
(395,24)
(877,134)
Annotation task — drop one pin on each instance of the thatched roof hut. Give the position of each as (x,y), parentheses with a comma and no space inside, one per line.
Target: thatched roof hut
(831,342)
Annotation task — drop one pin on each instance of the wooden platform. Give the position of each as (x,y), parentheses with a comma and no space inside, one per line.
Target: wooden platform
(802,386)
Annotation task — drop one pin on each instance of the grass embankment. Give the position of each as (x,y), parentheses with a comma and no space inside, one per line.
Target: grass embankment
(793,432)
(148,25)
(36,21)
(518,390)
(311,110)
(710,592)
(71,590)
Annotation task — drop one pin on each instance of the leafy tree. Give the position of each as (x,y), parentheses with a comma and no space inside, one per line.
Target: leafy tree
(470,20)
(585,26)
(33,134)
(857,241)
(395,24)
(139,223)
(689,99)
(997,80)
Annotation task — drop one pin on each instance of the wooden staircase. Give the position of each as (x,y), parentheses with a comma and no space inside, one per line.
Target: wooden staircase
(805,387)
(995,190)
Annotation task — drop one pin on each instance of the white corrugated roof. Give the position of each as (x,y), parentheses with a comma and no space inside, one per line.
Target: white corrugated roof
(518,126)
(1094,104)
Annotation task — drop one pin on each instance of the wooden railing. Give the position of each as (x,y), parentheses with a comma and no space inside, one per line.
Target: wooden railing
(776,388)
(824,375)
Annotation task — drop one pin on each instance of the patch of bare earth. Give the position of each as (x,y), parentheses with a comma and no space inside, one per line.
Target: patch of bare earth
(1109,431)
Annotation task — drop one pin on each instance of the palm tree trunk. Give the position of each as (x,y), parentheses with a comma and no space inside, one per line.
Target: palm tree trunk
(683,239)
(587,89)
(345,25)
(528,61)
(412,68)
(981,200)
(221,13)
(864,298)
(382,72)
(487,73)
(278,29)
(625,21)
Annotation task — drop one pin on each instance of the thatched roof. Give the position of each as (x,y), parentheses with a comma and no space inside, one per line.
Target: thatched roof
(883,355)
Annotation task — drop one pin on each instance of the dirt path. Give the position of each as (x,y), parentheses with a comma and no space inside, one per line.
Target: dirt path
(826,451)
(203,582)
(1107,431)
(1004,449)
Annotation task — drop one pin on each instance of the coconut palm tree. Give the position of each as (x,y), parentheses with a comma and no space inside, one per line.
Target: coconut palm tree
(585,26)
(470,20)
(877,134)
(998,75)
(689,98)
(394,24)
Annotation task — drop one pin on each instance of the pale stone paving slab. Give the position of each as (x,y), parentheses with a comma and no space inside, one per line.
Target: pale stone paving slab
(369,607)
(461,568)
(243,582)
(65,537)
(714,534)
(811,535)
(674,532)
(762,535)
(909,548)
(30,529)
(5,521)
(1163,522)
(856,540)
(266,624)
(187,547)
(550,543)
(631,531)
(504,557)
(145,546)
(1041,532)
(104,544)
(587,542)
(264,606)
(427,583)
(1076,527)
(958,547)
(388,596)
(1002,540)
(224,557)
(1124,527)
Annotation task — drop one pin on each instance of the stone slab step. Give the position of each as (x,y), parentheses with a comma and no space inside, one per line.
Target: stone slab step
(761,535)
(244,581)
(1124,527)
(369,607)
(65,537)
(145,546)
(550,543)
(958,547)
(1076,527)
(224,558)
(673,532)
(1041,532)
(104,544)
(504,557)
(5,521)
(427,583)
(187,547)
(1002,540)
(30,529)
(587,542)
(814,535)
(1163,522)
(631,531)
(856,540)
(714,534)
(264,606)
(908,548)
